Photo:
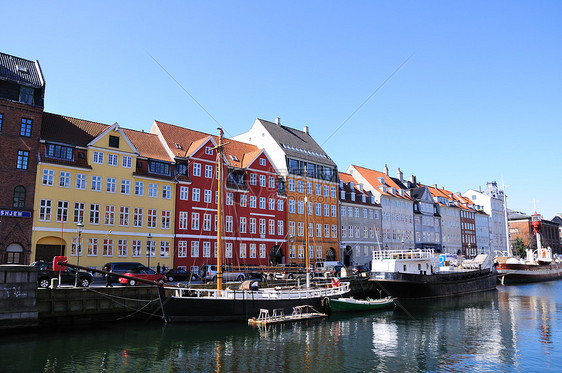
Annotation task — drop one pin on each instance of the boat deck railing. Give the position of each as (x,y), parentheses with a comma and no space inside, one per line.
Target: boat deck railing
(264,293)
(403,254)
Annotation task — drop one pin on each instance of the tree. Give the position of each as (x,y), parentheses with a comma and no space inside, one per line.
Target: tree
(520,248)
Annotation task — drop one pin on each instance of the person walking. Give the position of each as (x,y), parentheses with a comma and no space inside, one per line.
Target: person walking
(107,277)
(158,268)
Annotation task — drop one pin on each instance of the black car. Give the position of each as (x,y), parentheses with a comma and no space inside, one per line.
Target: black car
(358,270)
(336,271)
(46,273)
(180,275)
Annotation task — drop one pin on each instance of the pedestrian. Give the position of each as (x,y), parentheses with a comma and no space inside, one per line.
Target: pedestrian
(164,268)
(158,268)
(108,283)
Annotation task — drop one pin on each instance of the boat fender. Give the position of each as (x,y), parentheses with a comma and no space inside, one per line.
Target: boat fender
(335,282)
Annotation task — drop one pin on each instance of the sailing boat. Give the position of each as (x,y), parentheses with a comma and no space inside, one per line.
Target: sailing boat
(182,304)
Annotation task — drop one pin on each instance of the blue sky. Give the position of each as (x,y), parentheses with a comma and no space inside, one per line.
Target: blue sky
(465,92)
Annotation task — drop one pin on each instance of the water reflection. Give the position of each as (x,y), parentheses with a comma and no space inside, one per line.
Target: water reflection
(512,330)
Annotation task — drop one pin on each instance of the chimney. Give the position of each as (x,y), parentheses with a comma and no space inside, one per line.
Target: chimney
(278,121)
(435,186)
(305,130)
(400,175)
(386,169)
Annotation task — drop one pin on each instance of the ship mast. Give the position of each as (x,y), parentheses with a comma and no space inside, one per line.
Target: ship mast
(219,210)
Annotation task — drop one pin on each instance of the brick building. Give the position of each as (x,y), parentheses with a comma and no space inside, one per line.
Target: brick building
(520,227)
(22,90)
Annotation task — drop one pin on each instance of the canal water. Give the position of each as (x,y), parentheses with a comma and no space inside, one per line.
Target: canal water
(513,329)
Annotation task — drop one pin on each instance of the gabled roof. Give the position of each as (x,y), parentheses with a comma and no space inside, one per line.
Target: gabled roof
(347,179)
(297,144)
(371,176)
(190,140)
(148,145)
(21,71)
(68,130)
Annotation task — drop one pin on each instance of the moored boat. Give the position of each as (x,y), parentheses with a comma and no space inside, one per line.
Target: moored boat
(539,265)
(414,274)
(354,305)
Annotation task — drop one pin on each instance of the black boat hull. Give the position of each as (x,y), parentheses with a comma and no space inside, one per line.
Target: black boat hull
(419,286)
(195,309)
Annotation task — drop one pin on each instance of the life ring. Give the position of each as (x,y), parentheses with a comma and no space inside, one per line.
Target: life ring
(335,282)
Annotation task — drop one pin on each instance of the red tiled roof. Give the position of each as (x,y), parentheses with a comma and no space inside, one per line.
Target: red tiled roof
(371,177)
(148,145)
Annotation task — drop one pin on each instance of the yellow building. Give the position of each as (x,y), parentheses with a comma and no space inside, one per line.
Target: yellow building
(117,182)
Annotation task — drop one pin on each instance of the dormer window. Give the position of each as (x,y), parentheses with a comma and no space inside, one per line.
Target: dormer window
(363,198)
(234,158)
(342,194)
(59,151)
(159,167)
(26,95)
(352,196)
(114,142)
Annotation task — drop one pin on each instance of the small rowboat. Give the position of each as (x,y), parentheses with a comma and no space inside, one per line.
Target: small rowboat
(351,304)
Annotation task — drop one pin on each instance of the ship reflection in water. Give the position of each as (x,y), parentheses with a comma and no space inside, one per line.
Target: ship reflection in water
(514,329)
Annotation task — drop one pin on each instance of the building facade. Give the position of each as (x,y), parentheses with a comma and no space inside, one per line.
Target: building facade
(254,212)
(360,220)
(311,182)
(450,220)
(396,206)
(115,182)
(427,219)
(520,227)
(22,90)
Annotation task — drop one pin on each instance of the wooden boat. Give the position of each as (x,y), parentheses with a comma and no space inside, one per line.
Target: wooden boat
(300,313)
(194,304)
(352,305)
(416,274)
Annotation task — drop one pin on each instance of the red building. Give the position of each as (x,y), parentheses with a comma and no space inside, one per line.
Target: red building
(22,89)
(254,202)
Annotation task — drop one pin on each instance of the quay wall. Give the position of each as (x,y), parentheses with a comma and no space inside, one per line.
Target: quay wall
(18,288)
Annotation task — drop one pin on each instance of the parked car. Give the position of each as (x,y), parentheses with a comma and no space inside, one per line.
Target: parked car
(45,273)
(208,273)
(359,269)
(122,267)
(290,271)
(144,273)
(180,275)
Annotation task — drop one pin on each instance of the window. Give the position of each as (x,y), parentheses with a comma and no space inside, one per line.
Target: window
(125,186)
(81,181)
(183,220)
(326,210)
(182,249)
(272,204)
(271,226)
(318,209)
(136,249)
(252,250)
(262,181)
(206,222)
(1,119)
(151,248)
(25,128)
(96,183)
(124,216)
(343,232)
(137,217)
(252,225)
(262,162)
(229,223)
(159,168)
(291,228)
(98,157)
(107,247)
(79,208)
(195,220)
(206,249)
(195,249)
(300,187)
(184,193)
(195,194)
(253,202)
(242,250)
(166,192)
(271,182)
(164,249)
(334,211)
(196,169)
(208,150)
(318,252)
(151,218)
(207,196)
(280,228)
(62,211)
(165,219)
(279,205)
(122,248)
(209,172)
(113,141)
(48,177)
(262,203)
(45,210)
(333,192)
(153,190)
(127,162)
(292,206)
(59,151)
(23,159)
(243,200)
(112,159)
(94,213)
(92,247)
(229,199)
(19,197)
(111,185)
(318,230)
(291,185)
(262,250)
(318,188)
(109,215)
(300,209)
(139,188)
(262,226)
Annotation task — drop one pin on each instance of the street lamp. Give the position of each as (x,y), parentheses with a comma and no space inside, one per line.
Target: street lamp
(79,227)
(149,248)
